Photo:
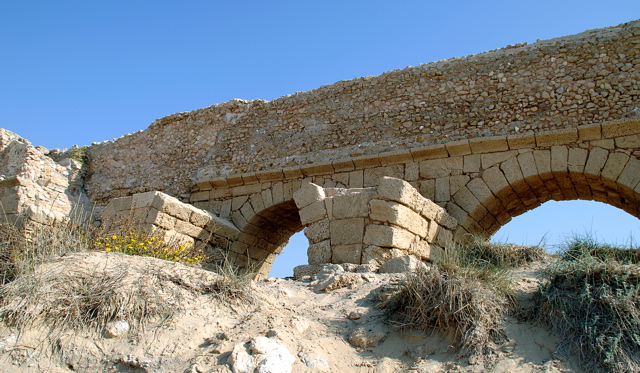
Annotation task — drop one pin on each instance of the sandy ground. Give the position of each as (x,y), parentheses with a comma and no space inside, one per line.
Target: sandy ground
(314,326)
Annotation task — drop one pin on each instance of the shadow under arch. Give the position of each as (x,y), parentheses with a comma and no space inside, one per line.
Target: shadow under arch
(264,237)
(491,199)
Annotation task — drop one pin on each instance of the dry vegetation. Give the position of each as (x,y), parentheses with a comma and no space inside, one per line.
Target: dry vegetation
(55,278)
(591,297)
(466,293)
(60,278)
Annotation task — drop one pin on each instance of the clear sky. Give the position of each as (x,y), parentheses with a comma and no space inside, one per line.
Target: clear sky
(77,72)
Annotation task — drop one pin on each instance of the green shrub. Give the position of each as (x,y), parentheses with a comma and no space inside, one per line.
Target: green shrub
(591,298)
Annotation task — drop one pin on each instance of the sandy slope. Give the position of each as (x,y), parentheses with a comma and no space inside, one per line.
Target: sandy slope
(315,328)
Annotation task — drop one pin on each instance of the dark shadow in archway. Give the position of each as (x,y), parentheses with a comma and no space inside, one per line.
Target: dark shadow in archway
(265,236)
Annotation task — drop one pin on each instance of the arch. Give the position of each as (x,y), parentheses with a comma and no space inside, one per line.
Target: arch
(523,182)
(264,236)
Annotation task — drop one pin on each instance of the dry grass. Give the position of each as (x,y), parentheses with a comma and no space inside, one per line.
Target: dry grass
(591,298)
(445,301)
(53,278)
(25,245)
(467,294)
(84,291)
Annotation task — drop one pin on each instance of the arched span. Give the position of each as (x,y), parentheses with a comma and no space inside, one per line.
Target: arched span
(523,182)
(264,236)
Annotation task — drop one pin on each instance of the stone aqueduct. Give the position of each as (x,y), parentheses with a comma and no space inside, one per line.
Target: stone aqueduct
(467,143)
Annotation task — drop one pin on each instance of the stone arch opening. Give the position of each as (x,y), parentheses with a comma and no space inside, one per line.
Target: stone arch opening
(491,200)
(264,237)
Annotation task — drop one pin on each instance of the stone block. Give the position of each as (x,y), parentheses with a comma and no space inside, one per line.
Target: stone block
(472,163)
(489,144)
(308,194)
(372,175)
(388,236)
(238,220)
(577,159)
(596,161)
(492,159)
(277,193)
(199,196)
(411,171)
(522,141)
(247,189)
(351,205)
(614,166)
(223,228)
(319,253)
(143,199)
(269,175)
(188,229)
(630,175)
(319,168)
(557,137)
(590,132)
(318,231)
(400,191)
(219,182)
(559,159)
(421,249)
(234,180)
(396,157)
(442,190)
(366,161)
(313,213)
(402,264)
(346,253)
(468,201)
(444,238)
(542,159)
(247,211)
(346,231)
(429,152)
(619,128)
(356,179)
(293,172)
(343,165)
(631,142)
(456,148)
(160,219)
(257,203)
(397,214)
(199,218)
(122,203)
(376,255)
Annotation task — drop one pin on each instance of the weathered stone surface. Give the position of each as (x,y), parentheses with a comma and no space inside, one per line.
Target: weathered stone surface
(347,253)
(319,253)
(351,205)
(318,231)
(115,329)
(397,214)
(388,236)
(368,336)
(313,212)
(402,264)
(265,355)
(346,231)
(308,194)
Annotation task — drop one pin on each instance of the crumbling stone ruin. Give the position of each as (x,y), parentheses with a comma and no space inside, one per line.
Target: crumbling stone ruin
(369,168)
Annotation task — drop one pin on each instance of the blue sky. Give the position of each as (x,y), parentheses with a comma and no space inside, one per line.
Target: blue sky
(77,72)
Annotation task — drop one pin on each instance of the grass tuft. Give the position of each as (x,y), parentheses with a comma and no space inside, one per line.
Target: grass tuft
(591,298)
(465,294)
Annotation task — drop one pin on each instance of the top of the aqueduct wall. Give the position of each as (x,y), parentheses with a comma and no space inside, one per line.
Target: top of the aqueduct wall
(586,78)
